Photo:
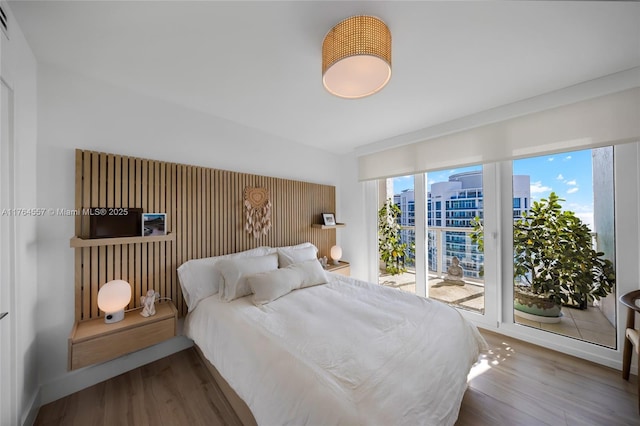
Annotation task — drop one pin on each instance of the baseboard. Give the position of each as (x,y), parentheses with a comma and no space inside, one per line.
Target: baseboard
(31,410)
(83,378)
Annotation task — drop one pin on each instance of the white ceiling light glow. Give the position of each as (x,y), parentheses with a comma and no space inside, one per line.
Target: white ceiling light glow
(356,57)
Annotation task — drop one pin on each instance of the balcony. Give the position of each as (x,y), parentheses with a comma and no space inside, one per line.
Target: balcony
(588,325)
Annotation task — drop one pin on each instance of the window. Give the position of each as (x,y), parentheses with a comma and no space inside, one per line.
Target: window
(580,185)
(456,199)
(399,271)
(449,246)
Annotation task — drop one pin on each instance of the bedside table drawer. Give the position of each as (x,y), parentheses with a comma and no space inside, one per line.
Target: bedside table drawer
(346,271)
(93,341)
(342,268)
(111,346)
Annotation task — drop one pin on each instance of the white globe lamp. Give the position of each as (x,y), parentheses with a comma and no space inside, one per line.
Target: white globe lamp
(336,254)
(113,297)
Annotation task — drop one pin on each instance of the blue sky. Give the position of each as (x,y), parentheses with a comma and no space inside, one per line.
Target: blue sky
(568,175)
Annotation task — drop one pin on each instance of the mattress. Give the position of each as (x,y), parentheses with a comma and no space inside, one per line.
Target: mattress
(343,353)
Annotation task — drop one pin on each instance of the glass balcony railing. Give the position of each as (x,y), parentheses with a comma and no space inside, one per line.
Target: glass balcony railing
(443,244)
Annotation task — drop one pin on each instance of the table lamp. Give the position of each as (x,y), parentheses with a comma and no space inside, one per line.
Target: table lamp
(113,297)
(336,254)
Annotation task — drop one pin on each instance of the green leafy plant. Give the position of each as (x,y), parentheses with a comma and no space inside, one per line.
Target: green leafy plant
(554,257)
(393,251)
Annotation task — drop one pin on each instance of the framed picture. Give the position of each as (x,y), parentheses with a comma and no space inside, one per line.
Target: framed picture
(328,219)
(154,224)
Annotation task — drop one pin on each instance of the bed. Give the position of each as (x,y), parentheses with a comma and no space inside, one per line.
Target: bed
(340,352)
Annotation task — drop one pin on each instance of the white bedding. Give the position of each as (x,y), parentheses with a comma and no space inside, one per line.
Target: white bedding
(343,353)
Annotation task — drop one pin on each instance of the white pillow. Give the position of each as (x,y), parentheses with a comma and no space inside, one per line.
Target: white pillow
(294,254)
(235,270)
(311,271)
(200,278)
(271,285)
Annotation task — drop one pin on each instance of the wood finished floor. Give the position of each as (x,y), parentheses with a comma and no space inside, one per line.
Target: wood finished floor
(526,385)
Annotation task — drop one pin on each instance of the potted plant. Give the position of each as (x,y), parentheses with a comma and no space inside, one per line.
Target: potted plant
(554,261)
(393,251)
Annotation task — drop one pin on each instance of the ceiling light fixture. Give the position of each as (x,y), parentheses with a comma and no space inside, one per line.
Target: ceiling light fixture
(356,57)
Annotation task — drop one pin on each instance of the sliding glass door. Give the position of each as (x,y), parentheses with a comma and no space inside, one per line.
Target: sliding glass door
(455,201)
(564,245)
(463,241)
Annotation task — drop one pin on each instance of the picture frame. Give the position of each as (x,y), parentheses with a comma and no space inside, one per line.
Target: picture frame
(328,219)
(154,224)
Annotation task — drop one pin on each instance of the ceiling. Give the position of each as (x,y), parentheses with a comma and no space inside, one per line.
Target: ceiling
(258,64)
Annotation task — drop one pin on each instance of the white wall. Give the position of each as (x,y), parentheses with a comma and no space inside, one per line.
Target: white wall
(18,70)
(78,112)
(354,239)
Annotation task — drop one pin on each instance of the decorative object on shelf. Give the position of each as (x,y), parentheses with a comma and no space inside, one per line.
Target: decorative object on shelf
(324,261)
(336,254)
(112,222)
(258,211)
(328,219)
(154,224)
(113,297)
(356,57)
(149,303)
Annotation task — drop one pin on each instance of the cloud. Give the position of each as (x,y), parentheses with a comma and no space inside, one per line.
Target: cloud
(571,182)
(538,187)
(560,177)
(580,208)
(572,190)
(587,219)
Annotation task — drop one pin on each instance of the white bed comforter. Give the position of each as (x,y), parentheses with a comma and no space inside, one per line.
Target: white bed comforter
(343,353)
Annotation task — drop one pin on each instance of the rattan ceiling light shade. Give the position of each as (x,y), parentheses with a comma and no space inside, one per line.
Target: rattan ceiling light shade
(356,57)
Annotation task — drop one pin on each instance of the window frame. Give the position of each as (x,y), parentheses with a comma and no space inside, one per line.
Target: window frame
(498,223)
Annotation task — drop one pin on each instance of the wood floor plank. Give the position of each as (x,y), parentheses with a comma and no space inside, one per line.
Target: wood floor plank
(550,387)
(525,385)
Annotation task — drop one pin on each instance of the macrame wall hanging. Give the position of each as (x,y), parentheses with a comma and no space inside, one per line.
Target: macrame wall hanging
(257,207)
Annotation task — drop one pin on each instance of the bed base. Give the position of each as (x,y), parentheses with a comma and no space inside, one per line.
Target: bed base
(240,408)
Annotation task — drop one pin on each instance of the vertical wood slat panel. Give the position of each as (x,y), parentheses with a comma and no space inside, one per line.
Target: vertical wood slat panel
(156,208)
(78,255)
(144,248)
(205,211)
(131,249)
(110,259)
(161,194)
(85,291)
(122,200)
(95,267)
(178,225)
(173,226)
(117,202)
(152,248)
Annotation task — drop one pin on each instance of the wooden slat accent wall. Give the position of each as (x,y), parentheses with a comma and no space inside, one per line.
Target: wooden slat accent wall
(205,211)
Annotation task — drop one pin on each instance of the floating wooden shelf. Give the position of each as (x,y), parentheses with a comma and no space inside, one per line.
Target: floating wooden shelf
(77,242)
(320,226)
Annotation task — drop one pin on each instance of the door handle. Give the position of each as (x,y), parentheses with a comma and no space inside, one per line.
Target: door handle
(3,314)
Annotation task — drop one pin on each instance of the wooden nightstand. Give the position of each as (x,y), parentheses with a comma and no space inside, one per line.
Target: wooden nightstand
(93,341)
(342,268)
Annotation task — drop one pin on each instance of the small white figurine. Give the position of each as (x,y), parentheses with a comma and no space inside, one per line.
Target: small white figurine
(149,303)
(323,261)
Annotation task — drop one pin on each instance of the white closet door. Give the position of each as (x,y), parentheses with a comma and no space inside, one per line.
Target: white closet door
(8,398)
